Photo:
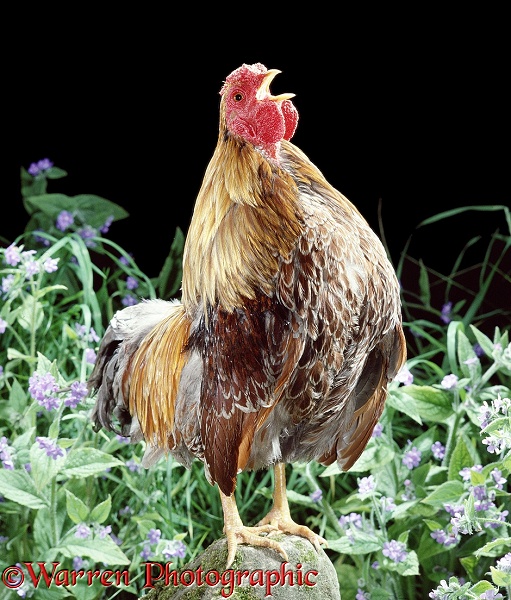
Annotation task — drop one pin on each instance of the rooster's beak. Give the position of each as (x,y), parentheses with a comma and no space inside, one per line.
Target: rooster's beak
(264,90)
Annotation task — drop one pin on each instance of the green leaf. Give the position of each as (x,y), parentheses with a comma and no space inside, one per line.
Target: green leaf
(55,173)
(448,492)
(100,550)
(76,509)
(460,458)
(19,487)
(483,340)
(410,566)
(485,550)
(44,468)
(500,578)
(361,543)
(470,364)
(424,285)
(169,279)
(99,514)
(400,400)
(85,590)
(374,457)
(88,461)
(91,209)
(433,404)
(17,397)
(469,564)
(31,314)
(480,587)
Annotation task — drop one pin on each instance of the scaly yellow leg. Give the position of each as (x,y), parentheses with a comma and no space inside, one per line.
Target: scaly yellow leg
(280,515)
(237,533)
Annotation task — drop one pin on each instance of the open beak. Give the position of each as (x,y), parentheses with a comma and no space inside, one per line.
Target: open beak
(264,90)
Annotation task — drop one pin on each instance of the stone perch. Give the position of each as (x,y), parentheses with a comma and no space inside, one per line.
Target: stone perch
(257,573)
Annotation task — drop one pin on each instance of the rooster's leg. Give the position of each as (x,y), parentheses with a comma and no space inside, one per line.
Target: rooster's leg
(280,516)
(237,533)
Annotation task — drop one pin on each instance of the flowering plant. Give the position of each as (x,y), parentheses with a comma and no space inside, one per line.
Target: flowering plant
(423,513)
(61,281)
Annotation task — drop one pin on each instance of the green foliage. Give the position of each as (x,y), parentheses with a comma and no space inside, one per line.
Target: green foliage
(424,508)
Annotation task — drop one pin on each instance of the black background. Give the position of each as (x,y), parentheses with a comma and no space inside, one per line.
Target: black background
(407,110)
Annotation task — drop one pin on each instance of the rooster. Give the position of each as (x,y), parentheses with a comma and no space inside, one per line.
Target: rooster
(288,331)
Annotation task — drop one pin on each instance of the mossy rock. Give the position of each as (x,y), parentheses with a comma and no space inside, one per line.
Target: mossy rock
(257,573)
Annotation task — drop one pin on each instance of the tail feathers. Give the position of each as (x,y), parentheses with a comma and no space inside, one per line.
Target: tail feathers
(111,374)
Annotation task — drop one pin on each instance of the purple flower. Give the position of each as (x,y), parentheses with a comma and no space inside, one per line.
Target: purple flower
(478,349)
(394,550)
(154,536)
(12,255)
(174,548)
(33,169)
(387,504)
(132,465)
(42,388)
(316,495)
(50,447)
(504,563)
(90,356)
(377,431)
(5,454)
(51,265)
(125,511)
(479,492)
(449,381)
(353,518)
(446,539)
(146,552)
(40,239)
(491,594)
(129,300)
(78,563)
(44,164)
(3,325)
(87,233)
(446,312)
(83,531)
(78,392)
(496,475)
(7,283)
(123,439)
(438,450)
(31,268)
(412,458)
(366,485)
(361,595)
(131,283)
(453,509)
(404,376)
(104,531)
(64,220)
(106,226)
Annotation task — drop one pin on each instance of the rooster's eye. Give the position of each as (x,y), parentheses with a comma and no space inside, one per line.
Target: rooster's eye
(238,97)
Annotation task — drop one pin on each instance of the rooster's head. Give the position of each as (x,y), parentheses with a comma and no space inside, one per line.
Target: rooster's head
(250,111)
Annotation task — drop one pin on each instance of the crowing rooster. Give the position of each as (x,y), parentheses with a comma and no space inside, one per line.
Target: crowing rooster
(289,327)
